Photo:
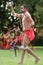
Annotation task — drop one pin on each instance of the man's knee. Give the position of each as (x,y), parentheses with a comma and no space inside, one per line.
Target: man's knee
(24,47)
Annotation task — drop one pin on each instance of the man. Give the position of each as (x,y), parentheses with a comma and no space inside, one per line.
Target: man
(27,23)
(16,39)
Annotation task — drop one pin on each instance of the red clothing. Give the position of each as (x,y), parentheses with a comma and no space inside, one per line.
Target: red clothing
(17,39)
(30,34)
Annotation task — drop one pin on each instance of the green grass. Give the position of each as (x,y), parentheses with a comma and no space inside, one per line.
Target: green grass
(7,57)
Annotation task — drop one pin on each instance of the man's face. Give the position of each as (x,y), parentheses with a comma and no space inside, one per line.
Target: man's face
(22,9)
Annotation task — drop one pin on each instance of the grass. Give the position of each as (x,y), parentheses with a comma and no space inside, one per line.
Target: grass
(7,57)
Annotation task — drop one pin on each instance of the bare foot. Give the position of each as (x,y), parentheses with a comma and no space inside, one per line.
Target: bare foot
(37,60)
(20,63)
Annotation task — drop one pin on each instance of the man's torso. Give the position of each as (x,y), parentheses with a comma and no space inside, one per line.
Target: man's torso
(26,24)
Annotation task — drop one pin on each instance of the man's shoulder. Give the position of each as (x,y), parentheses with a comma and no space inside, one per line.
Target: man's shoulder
(27,14)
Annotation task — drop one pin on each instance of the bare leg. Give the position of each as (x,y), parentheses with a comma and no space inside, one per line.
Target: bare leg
(15,50)
(23,53)
(25,43)
(33,54)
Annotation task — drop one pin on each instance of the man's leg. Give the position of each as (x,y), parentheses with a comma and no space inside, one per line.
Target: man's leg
(22,57)
(33,54)
(23,51)
(25,43)
(15,50)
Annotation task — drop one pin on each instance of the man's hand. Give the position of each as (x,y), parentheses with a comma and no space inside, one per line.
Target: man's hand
(10,4)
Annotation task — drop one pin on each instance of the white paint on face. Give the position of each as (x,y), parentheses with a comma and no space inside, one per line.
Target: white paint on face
(22,9)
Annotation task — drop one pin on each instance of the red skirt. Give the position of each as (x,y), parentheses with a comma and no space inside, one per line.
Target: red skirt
(30,34)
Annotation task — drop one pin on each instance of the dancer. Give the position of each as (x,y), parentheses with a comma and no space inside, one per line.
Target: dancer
(27,23)
(16,40)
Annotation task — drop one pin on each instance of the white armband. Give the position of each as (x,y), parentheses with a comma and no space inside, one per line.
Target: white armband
(15,14)
(11,14)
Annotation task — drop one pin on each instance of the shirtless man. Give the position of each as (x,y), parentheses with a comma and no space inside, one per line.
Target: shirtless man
(27,23)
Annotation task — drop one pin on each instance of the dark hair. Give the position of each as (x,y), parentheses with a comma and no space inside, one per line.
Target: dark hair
(25,6)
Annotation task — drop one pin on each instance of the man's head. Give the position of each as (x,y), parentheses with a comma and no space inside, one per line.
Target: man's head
(23,8)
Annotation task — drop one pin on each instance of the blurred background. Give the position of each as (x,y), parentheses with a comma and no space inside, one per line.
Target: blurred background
(35,7)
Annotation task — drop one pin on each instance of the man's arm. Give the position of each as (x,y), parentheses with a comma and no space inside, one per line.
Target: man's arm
(12,30)
(13,12)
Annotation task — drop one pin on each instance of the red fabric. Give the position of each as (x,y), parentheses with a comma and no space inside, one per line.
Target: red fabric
(30,34)
(17,38)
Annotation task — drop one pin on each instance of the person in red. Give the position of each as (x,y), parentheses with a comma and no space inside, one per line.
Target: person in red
(16,39)
(27,23)
(6,43)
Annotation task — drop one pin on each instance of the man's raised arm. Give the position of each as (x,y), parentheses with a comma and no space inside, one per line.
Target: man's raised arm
(13,12)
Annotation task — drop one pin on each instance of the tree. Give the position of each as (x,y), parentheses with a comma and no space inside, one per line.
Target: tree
(35,7)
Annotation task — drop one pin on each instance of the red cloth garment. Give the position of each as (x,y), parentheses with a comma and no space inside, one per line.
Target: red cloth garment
(17,39)
(30,34)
